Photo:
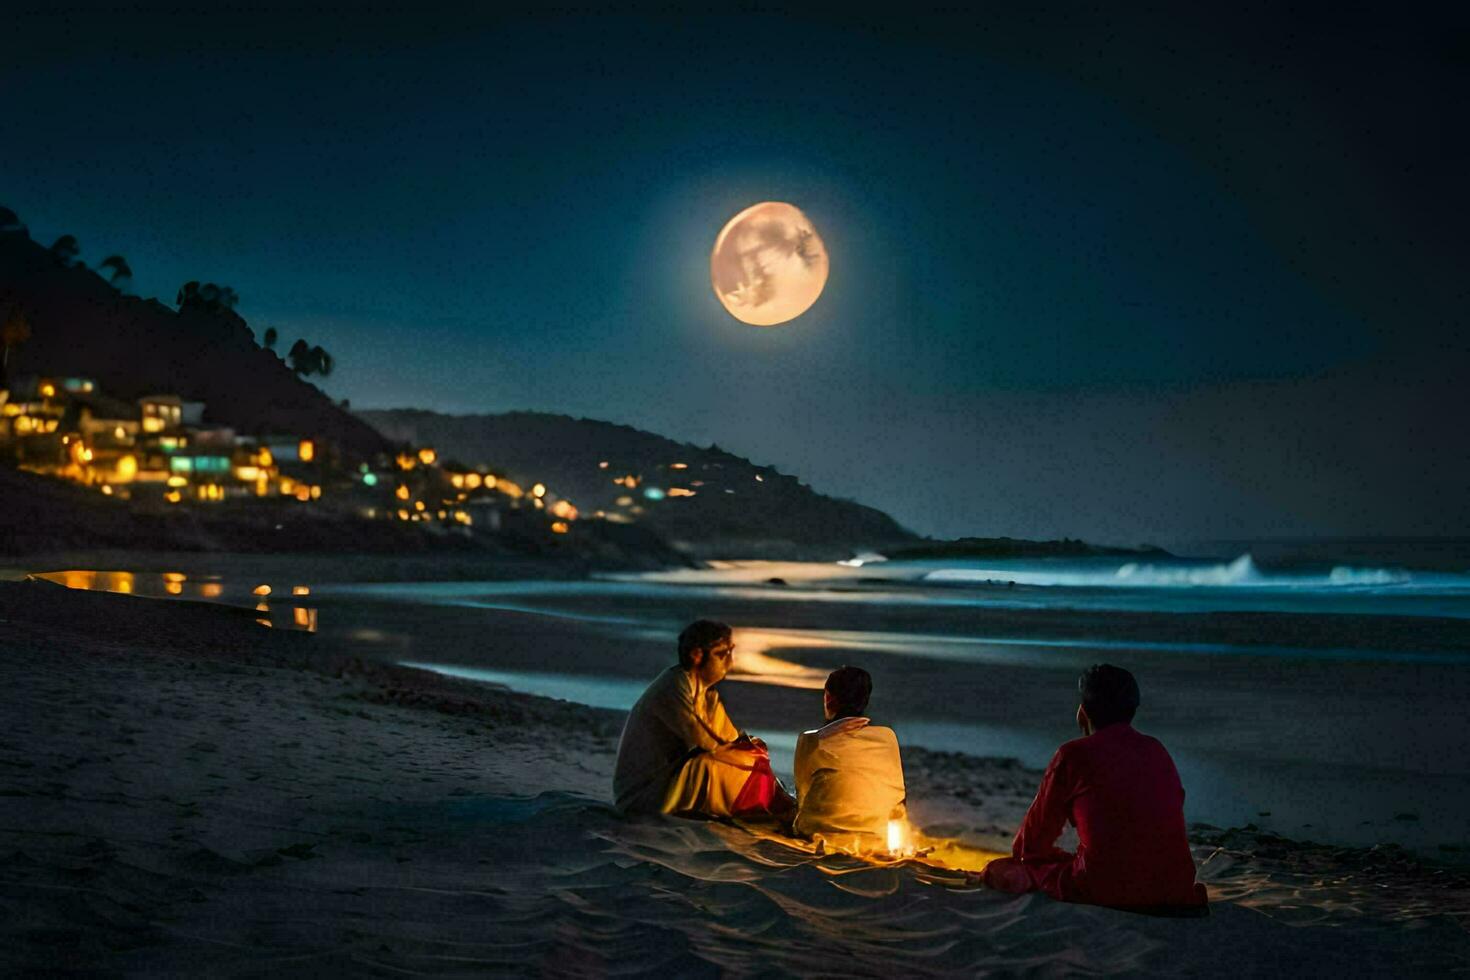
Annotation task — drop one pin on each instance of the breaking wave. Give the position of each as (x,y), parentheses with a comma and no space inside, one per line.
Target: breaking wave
(1243,572)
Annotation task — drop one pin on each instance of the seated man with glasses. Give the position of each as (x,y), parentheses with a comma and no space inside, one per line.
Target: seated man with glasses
(680,753)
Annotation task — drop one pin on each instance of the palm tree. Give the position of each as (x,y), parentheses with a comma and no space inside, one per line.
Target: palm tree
(66,249)
(119,267)
(271,336)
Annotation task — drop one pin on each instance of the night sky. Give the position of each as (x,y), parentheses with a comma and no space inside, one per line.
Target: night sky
(1125,277)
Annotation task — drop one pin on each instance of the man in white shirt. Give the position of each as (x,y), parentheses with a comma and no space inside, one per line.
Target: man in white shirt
(849,775)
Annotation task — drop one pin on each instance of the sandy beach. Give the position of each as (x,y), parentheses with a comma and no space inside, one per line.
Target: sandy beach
(184,792)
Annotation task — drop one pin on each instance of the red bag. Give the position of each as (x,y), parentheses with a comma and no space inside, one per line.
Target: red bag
(759,790)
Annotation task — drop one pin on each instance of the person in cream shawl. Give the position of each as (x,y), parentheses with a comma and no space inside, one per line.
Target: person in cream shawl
(849,775)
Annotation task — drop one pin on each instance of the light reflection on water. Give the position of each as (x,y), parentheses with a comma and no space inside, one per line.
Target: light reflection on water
(284,614)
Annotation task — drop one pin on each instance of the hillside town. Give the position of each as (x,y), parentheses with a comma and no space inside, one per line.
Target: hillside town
(160,451)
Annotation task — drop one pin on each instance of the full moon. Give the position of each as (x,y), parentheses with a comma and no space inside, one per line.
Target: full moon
(768,265)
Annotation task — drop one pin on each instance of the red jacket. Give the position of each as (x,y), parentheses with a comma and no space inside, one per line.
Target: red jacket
(1120,789)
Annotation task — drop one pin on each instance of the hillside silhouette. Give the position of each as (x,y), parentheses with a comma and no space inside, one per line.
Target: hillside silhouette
(735,508)
(82,326)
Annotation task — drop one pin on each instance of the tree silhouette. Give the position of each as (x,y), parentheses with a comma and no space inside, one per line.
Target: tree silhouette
(15,331)
(206,297)
(305,360)
(119,268)
(10,221)
(322,361)
(271,336)
(66,249)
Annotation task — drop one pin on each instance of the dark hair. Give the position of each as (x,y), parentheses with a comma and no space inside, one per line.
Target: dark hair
(1109,694)
(850,688)
(702,634)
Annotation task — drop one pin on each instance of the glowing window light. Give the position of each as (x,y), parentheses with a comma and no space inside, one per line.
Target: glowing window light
(369,480)
(173,496)
(106,490)
(247,474)
(559,527)
(759,478)
(119,433)
(306,450)
(316,492)
(564,510)
(681,492)
(403,515)
(457,479)
(418,505)
(678,466)
(173,588)
(624,501)
(300,590)
(427,456)
(152,423)
(539,490)
(602,465)
(211,590)
(127,469)
(407,461)
(264,458)
(303,492)
(653,493)
(175,577)
(178,481)
(48,390)
(261,589)
(472,481)
(402,492)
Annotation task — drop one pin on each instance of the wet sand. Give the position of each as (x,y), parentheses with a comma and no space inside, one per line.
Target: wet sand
(184,792)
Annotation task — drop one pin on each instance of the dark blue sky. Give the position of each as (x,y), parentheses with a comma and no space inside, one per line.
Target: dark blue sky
(1075,258)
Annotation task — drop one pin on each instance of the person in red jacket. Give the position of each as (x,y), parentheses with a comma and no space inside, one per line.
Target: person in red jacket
(1120,789)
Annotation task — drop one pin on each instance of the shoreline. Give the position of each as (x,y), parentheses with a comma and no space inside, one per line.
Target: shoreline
(186,792)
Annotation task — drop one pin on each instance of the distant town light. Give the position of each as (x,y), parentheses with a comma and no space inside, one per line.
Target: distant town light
(427,456)
(106,490)
(300,590)
(402,492)
(306,450)
(472,481)
(127,469)
(678,466)
(681,492)
(261,590)
(369,480)
(48,390)
(602,465)
(539,490)
(653,493)
(457,479)
(559,527)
